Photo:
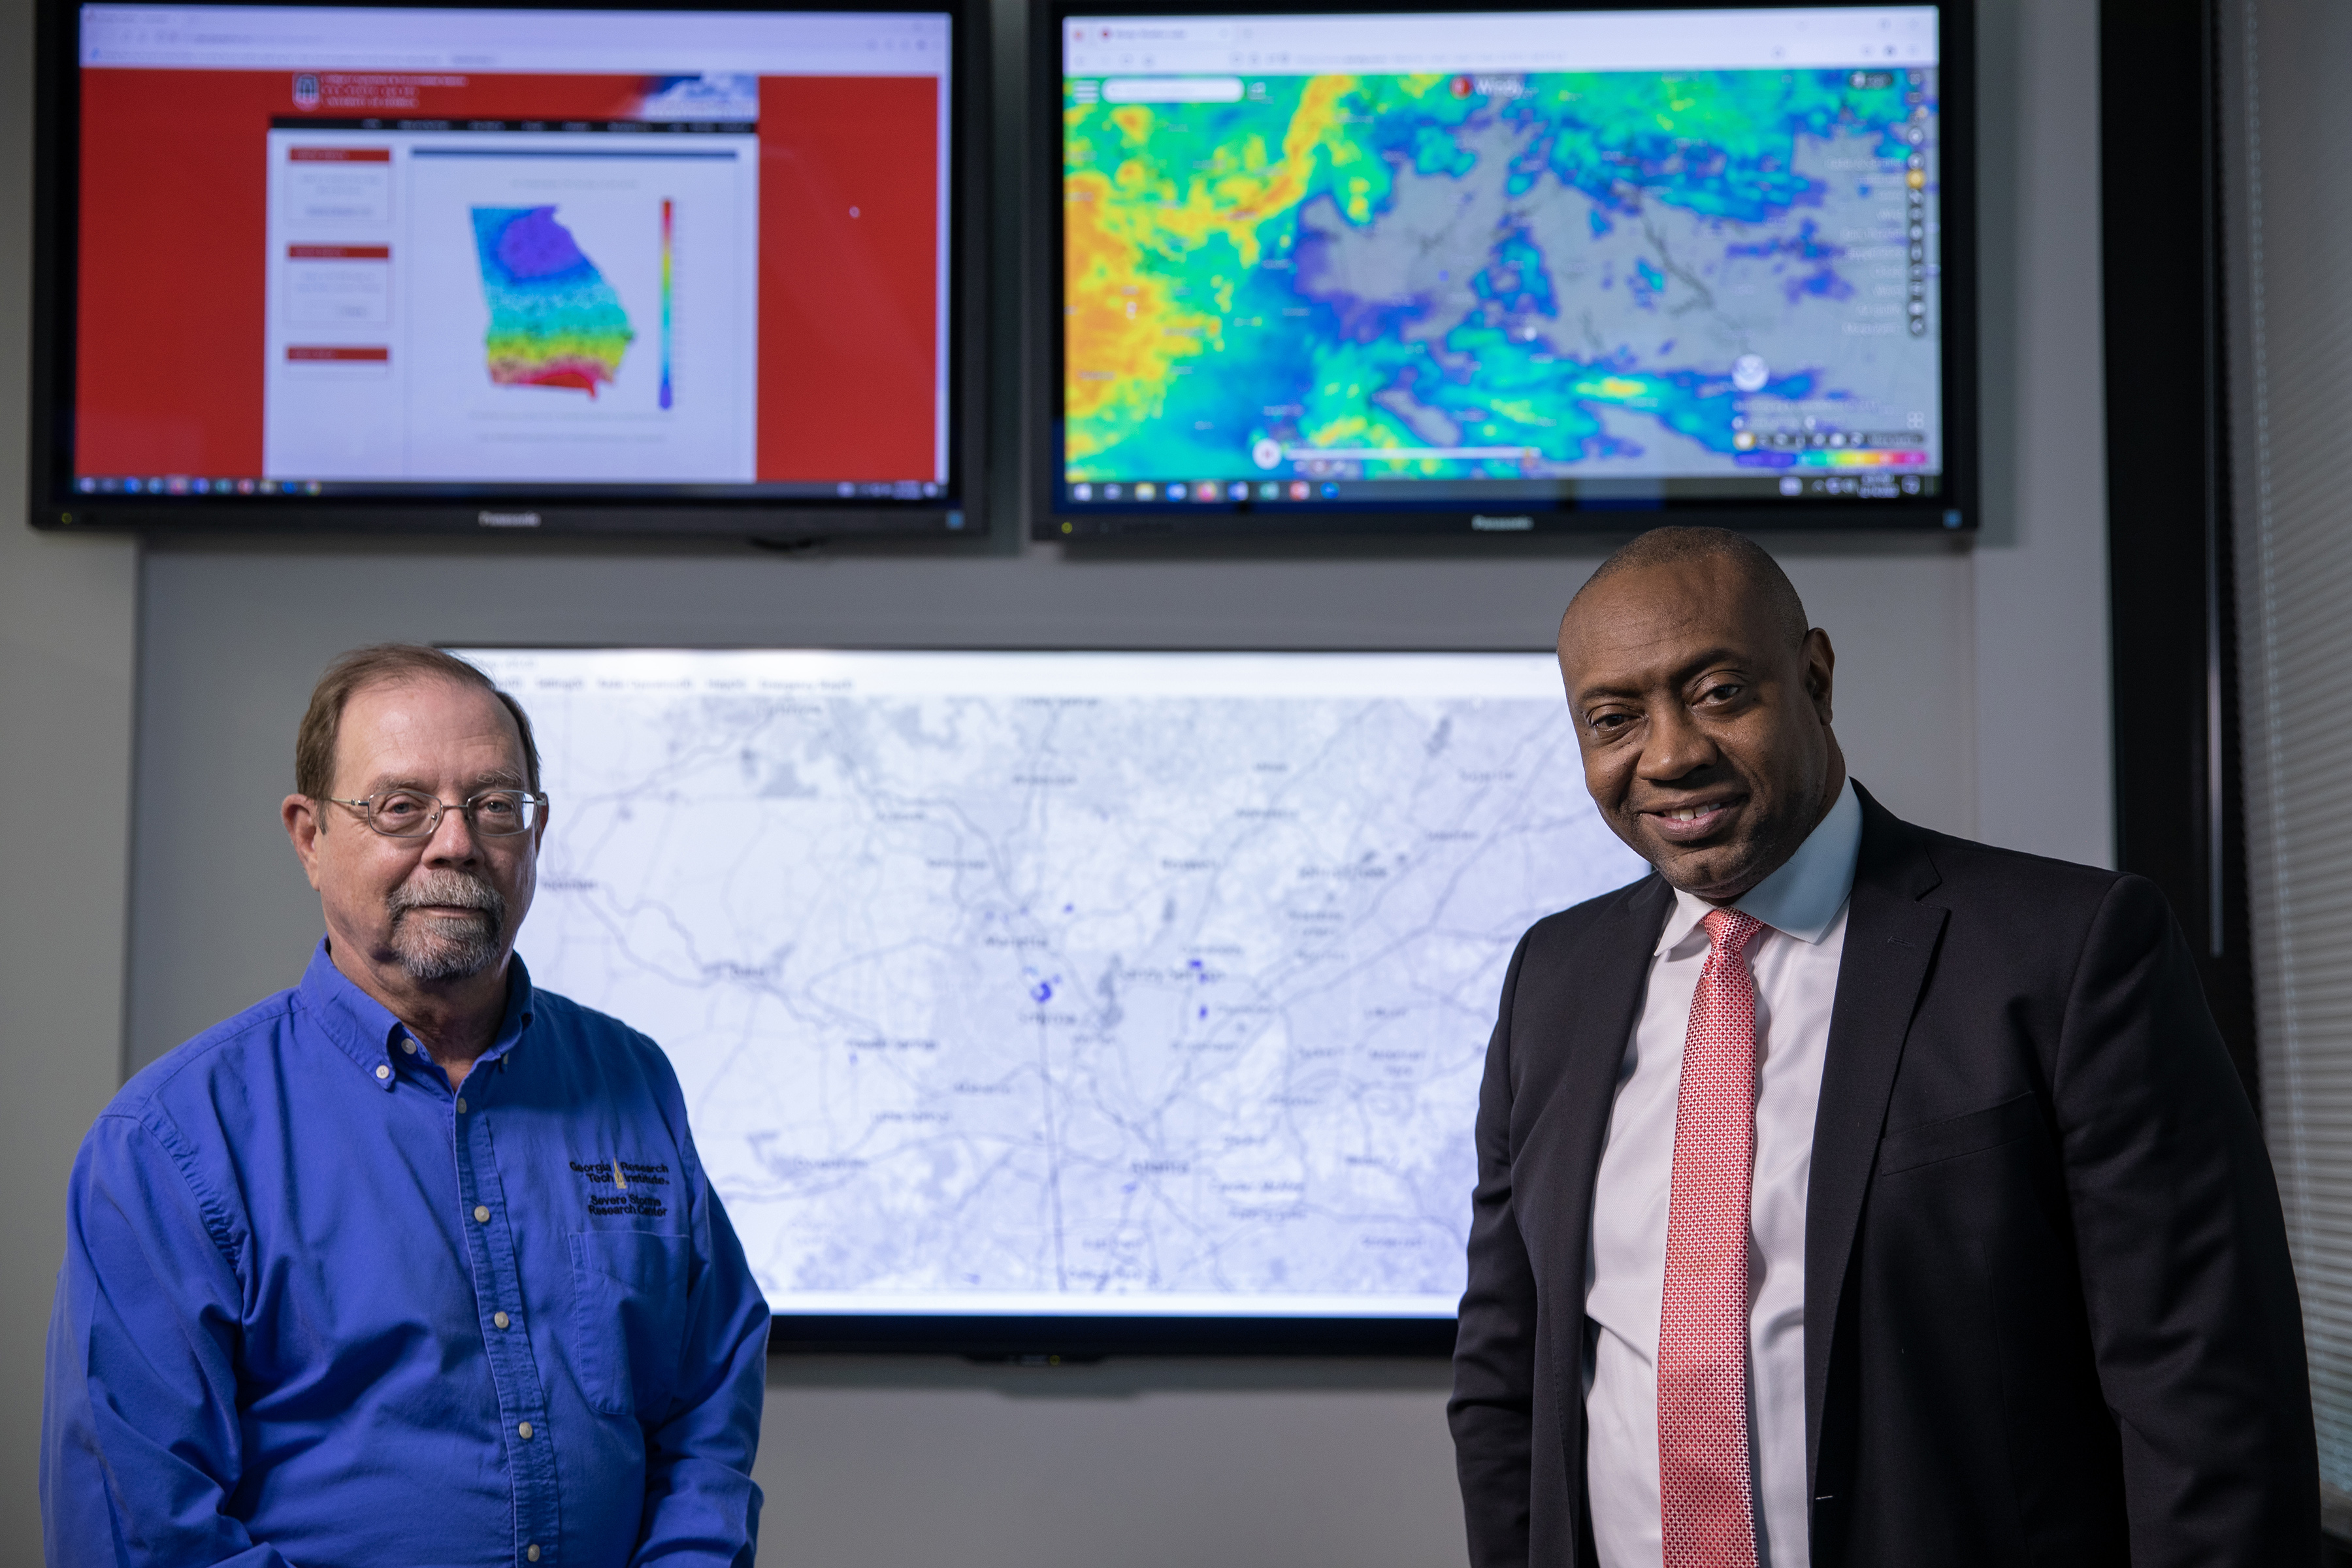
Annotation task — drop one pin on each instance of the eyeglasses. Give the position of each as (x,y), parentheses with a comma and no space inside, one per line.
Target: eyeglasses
(412,813)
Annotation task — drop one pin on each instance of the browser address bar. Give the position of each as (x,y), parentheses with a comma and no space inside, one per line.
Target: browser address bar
(1172,89)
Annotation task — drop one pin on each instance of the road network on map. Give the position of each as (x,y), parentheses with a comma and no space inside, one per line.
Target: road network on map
(996,1000)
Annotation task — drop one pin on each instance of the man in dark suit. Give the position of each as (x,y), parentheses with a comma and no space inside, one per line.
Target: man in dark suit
(1849,1193)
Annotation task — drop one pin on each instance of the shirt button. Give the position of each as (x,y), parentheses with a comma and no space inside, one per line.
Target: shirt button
(383,1072)
(523,1431)
(502,1319)
(482,1212)
(409,1045)
(531,1552)
(461,1105)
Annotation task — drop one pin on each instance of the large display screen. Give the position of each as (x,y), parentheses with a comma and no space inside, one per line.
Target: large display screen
(371,254)
(1063,985)
(1492,269)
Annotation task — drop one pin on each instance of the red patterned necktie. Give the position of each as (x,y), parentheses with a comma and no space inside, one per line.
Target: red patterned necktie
(1706,1508)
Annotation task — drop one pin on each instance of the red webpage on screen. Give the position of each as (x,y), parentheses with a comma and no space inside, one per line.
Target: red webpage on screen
(178,342)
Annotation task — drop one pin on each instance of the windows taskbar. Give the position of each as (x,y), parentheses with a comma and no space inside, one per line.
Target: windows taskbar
(179,487)
(1860,481)
(1086,509)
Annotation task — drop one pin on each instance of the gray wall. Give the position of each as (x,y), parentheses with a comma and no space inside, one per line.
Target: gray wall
(1973,697)
(67,630)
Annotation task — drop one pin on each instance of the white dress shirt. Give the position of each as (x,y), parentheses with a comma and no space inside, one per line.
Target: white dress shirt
(1795,961)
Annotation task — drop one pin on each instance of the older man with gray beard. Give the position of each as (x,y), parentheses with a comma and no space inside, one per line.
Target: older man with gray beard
(412,1263)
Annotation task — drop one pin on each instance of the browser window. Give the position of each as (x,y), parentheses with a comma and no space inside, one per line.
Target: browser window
(615,249)
(1501,259)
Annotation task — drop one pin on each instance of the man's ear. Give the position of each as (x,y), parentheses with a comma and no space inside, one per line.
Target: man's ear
(304,823)
(1821,671)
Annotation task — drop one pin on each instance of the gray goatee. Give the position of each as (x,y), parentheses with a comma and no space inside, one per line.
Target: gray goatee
(433,948)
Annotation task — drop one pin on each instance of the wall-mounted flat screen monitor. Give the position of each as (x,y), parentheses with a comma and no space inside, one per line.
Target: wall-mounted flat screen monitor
(1357,269)
(1066,1002)
(377,267)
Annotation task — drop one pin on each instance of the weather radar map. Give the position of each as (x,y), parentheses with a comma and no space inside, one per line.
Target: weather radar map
(1497,254)
(1089,984)
(554,320)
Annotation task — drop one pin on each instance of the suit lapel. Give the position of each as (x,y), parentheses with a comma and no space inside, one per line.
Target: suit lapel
(1608,978)
(1890,939)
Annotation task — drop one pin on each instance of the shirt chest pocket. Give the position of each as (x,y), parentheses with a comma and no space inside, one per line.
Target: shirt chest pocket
(629,1309)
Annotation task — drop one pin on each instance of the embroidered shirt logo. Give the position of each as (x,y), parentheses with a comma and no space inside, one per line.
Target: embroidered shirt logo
(618,1187)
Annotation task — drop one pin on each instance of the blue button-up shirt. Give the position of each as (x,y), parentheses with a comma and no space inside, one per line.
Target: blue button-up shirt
(319,1309)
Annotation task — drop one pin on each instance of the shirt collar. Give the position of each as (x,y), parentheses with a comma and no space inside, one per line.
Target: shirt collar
(366,1030)
(1803,896)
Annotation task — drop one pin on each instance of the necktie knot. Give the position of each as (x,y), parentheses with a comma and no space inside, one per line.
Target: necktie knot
(1728,931)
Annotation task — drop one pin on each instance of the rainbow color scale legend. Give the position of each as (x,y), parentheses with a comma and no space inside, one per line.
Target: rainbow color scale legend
(1876,458)
(668,229)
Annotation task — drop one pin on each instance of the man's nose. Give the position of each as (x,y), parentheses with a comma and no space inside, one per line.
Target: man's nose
(453,838)
(1675,745)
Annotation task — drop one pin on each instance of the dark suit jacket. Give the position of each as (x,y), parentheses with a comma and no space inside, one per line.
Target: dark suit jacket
(2049,1313)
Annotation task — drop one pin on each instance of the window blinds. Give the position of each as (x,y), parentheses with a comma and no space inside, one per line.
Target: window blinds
(2286,135)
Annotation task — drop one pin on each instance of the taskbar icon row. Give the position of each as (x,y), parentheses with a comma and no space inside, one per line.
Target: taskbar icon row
(1872,483)
(190,485)
(1206,490)
(887,490)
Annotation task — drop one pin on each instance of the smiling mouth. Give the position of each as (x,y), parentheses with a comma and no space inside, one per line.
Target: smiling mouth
(1689,824)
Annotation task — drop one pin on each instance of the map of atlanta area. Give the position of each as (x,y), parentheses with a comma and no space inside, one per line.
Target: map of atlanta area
(1078,1000)
(1469,277)
(554,321)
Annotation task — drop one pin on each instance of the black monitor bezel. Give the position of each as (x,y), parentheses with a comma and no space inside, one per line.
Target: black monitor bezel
(1034,1339)
(960,512)
(1957,510)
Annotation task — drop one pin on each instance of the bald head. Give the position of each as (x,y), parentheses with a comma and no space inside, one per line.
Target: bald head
(1761,584)
(1702,707)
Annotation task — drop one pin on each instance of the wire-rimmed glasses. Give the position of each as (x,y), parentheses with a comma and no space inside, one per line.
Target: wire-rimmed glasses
(413,814)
